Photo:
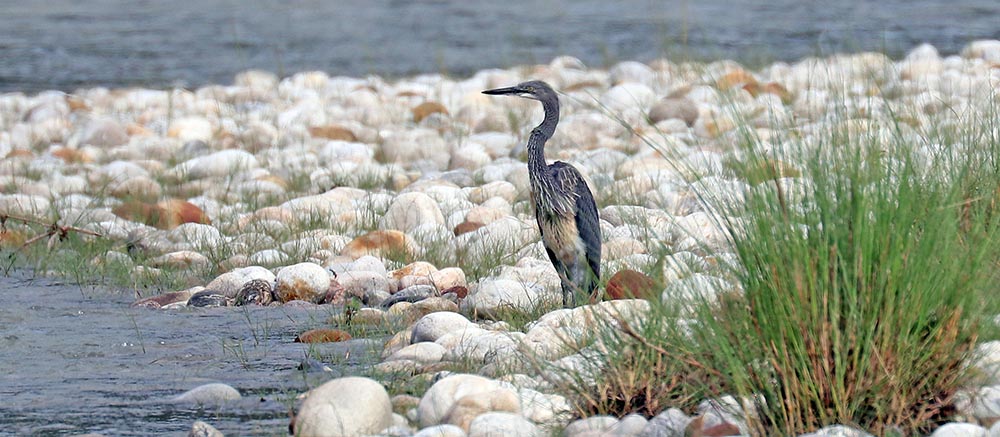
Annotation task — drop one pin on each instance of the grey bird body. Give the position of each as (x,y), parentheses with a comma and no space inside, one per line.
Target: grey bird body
(564,206)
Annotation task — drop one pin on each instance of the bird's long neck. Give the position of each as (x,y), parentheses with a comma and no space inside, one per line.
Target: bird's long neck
(539,135)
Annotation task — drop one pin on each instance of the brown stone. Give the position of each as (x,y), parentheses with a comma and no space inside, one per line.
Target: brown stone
(332,132)
(167,214)
(135,129)
(20,153)
(335,295)
(322,336)
(425,109)
(458,290)
(76,103)
(164,299)
(419,268)
(630,284)
(70,156)
(735,77)
(377,243)
(9,238)
(466,227)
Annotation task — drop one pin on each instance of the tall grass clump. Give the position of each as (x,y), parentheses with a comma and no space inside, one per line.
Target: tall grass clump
(863,280)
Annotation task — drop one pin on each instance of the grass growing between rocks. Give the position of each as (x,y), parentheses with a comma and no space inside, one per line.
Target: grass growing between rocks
(864,285)
(862,300)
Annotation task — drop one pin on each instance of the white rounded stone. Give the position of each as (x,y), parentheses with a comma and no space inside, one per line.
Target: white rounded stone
(208,394)
(505,424)
(344,407)
(490,297)
(409,210)
(303,281)
(435,325)
(441,399)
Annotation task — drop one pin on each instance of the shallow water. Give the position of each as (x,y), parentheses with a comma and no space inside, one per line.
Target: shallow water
(78,359)
(65,44)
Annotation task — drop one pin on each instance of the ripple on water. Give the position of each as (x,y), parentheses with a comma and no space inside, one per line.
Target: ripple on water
(77,361)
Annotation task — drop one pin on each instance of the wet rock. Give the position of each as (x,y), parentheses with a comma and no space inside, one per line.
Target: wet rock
(164,299)
(209,394)
(255,292)
(208,298)
(508,424)
(323,336)
(202,429)
(412,294)
(335,409)
(303,281)
(458,399)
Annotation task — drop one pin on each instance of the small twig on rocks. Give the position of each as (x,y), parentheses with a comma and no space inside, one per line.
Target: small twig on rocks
(628,330)
(54,233)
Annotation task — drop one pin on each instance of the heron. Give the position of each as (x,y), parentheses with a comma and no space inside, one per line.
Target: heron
(564,206)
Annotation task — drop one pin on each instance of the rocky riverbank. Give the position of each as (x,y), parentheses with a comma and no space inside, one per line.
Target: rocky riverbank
(411,199)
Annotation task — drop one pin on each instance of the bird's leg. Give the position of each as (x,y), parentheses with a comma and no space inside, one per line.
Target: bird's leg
(569,295)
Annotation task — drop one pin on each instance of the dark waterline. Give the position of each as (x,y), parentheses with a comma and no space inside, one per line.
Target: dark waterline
(66,44)
(77,359)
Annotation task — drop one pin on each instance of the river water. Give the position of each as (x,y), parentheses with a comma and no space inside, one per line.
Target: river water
(77,359)
(65,44)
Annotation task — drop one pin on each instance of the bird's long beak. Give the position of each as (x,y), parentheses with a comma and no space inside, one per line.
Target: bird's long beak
(501,91)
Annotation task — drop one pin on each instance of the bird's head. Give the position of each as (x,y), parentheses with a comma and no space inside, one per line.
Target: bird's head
(534,89)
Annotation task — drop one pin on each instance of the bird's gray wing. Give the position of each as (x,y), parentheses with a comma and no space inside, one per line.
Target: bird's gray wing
(569,180)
